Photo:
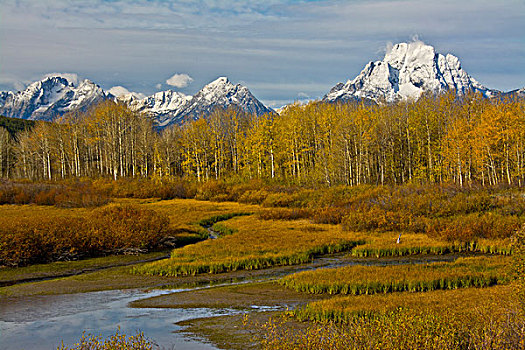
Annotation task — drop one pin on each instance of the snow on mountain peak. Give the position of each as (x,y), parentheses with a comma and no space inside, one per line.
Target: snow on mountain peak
(219,81)
(49,97)
(171,107)
(216,87)
(221,93)
(56,95)
(407,70)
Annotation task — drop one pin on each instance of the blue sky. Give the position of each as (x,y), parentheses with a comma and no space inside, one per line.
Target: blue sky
(282,50)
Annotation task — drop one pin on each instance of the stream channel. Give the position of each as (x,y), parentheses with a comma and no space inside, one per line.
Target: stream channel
(41,322)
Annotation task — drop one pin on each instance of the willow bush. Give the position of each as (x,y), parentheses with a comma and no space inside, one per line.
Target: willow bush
(107,230)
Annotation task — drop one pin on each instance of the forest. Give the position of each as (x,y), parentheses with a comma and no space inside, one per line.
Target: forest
(437,139)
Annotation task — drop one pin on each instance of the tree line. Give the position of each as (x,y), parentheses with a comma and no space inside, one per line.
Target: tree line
(436,139)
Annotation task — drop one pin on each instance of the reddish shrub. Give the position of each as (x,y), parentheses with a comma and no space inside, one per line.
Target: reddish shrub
(329,216)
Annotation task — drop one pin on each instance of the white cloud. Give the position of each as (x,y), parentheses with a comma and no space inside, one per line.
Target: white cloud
(121,91)
(303,95)
(158,86)
(179,80)
(71,77)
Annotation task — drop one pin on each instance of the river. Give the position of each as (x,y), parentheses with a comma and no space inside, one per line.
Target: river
(41,322)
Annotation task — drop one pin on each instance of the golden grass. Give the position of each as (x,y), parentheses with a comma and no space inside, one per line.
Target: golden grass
(184,214)
(453,319)
(256,244)
(463,273)
(384,244)
(11,212)
(458,301)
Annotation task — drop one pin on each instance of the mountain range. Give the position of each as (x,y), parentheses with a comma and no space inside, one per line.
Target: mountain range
(170,107)
(53,96)
(406,71)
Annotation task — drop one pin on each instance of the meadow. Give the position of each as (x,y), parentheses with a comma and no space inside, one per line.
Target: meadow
(264,226)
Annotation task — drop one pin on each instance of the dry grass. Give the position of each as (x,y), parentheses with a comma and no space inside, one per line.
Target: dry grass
(459,319)
(184,214)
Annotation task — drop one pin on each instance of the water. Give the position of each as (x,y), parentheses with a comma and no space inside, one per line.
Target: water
(41,322)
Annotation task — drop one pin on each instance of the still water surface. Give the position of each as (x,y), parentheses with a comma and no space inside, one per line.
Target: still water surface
(41,322)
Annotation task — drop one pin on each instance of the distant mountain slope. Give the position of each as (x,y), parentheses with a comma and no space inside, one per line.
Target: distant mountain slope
(54,96)
(407,70)
(163,106)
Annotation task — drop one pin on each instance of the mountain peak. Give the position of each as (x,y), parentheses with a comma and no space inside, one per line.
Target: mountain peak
(217,86)
(406,71)
(220,81)
(49,97)
(56,95)
(221,93)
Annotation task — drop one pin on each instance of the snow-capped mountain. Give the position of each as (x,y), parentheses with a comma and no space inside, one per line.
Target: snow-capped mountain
(170,107)
(222,93)
(48,98)
(54,96)
(407,70)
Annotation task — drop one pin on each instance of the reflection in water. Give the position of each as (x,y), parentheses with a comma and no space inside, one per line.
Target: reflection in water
(41,322)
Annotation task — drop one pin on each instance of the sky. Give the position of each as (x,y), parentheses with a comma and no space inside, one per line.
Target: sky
(282,50)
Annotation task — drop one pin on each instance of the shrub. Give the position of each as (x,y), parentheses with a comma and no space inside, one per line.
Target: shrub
(66,195)
(129,227)
(253,196)
(377,219)
(278,200)
(518,243)
(473,226)
(332,215)
(213,189)
(103,231)
(117,341)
